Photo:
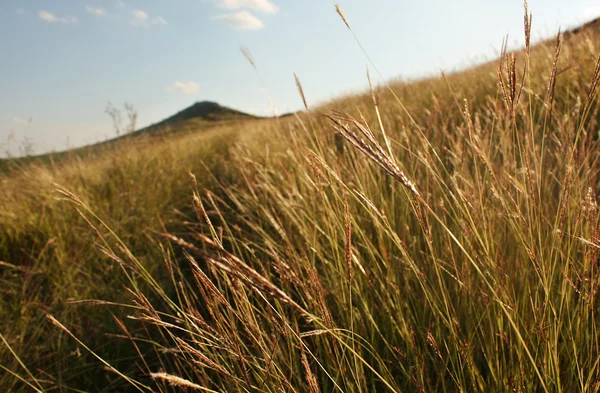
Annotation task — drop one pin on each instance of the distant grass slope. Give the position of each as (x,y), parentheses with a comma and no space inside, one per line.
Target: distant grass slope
(436,236)
(201,116)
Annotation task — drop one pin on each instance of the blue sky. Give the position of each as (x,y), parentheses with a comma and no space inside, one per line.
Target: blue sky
(63,60)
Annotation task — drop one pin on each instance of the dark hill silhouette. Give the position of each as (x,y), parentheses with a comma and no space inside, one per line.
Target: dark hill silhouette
(200,115)
(207,110)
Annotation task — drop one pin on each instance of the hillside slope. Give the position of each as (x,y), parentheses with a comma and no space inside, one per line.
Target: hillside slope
(198,117)
(436,236)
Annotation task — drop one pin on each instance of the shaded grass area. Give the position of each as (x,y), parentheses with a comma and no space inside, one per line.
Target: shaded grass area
(49,253)
(441,235)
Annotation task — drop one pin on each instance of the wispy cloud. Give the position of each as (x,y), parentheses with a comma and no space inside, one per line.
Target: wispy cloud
(266,6)
(51,18)
(141,18)
(99,11)
(18,121)
(139,14)
(591,12)
(243,20)
(121,4)
(189,87)
(21,11)
(159,20)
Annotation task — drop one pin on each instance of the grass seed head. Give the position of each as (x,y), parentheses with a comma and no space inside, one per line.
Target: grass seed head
(176,381)
(341,14)
(301,91)
(248,56)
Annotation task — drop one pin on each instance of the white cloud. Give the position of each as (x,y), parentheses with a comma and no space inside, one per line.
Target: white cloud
(121,4)
(99,11)
(256,5)
(591,13)
(18,121)
(51,18)
(139,14)
(142,19)
(159,20)
(189,87)
(242,20)
(47,16)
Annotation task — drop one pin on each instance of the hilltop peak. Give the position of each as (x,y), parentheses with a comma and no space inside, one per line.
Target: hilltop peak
(207,110)
(206,104)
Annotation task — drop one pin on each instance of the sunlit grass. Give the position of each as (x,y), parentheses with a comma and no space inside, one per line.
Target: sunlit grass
(441,235)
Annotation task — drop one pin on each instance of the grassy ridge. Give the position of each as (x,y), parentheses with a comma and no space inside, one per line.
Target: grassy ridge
(445,239)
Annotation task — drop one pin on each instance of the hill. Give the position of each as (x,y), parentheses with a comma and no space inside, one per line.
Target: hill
(209,111)
(198,117)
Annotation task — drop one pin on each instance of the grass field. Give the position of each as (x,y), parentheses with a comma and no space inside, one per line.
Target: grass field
(441,235)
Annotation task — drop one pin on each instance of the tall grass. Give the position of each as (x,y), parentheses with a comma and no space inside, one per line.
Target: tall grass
(446,240)
(49,256)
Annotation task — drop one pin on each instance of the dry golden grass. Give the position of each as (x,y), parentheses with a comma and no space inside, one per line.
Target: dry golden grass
(441,235)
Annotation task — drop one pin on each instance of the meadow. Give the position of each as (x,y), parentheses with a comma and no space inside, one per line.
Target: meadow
(439,235)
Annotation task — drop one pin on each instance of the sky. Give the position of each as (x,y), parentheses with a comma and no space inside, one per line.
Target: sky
(64,60)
